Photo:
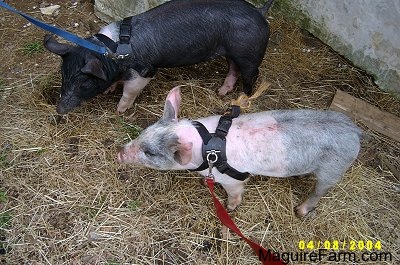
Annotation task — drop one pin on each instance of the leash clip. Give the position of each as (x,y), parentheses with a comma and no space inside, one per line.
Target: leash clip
(210,175)
(211,160)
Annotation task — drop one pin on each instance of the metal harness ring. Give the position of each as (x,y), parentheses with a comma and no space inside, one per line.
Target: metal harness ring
(212,153)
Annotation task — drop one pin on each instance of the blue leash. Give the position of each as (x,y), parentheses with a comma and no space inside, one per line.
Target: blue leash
(64,34)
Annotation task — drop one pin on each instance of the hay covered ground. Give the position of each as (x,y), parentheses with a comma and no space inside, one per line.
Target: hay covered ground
(65,200)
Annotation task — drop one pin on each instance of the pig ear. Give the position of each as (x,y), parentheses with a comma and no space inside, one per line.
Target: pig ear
(94,67)
(184,153)
(172,103)
(54,46)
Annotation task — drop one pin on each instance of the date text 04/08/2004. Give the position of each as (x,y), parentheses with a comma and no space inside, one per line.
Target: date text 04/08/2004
(351,245)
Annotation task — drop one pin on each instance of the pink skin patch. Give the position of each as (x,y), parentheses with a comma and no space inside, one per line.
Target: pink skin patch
(257,139)
(132,89)
(255,131)
(107,30)
(230,80)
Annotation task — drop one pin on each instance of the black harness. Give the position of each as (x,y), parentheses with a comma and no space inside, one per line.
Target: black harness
(123,49)
(214,146)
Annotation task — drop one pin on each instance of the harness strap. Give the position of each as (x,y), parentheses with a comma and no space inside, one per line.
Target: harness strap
(225,121)
(125,30)
(110,44)
(204,133)
(217,142)
(123,47)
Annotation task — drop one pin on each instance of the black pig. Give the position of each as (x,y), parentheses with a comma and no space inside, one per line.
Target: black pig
(177,33)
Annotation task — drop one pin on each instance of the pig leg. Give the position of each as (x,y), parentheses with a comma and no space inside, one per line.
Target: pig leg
(249,77)
(249,71)
(325,181)
(230,79)
(132,89)
(235,193)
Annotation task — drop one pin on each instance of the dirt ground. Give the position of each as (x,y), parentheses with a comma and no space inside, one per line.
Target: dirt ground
(64,199)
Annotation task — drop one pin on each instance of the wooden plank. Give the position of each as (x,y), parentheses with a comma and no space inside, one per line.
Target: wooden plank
(391,167)
(375,119)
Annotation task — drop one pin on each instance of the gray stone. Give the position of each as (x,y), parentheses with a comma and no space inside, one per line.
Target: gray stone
(366,32)
(52,10)
(113,10)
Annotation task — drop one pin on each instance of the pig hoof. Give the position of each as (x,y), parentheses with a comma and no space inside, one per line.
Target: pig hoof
(225,89)
(222,91)
(299,214)
(125,103)
(234,202)
(230,209)
(232,206)
(121,109)
(301,211)
(221,94)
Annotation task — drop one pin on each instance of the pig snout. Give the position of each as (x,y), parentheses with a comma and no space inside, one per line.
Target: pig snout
(121,156)
(68,103)
(127,154)
(64,109)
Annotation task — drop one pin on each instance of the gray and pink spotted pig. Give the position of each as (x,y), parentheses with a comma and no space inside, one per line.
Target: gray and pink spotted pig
(277,143)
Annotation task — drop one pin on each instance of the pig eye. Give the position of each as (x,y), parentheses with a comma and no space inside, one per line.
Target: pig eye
(88,82)
(149,153)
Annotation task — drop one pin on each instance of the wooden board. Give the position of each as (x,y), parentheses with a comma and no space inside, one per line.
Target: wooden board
(375,119)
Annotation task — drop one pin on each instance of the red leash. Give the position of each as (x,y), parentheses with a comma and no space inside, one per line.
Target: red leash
(265,256)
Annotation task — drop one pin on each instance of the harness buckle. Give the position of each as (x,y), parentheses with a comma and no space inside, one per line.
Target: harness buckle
(122,56)
(116,56)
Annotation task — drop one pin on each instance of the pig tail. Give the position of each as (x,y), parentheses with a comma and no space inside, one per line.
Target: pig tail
(244,102)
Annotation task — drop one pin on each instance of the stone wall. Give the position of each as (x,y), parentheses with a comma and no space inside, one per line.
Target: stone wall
(364,31)
(112,10)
